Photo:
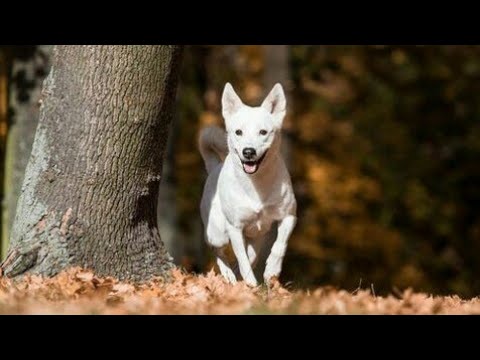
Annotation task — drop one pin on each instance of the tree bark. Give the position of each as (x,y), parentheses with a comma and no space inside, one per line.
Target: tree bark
(89,197)
(30,65)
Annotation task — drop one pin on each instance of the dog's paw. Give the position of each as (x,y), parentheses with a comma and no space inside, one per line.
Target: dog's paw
(230,277)
(251,282)
(273,283)
(272,269)
(227,273)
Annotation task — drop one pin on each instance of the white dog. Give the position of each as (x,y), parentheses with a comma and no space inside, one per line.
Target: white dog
(248,196)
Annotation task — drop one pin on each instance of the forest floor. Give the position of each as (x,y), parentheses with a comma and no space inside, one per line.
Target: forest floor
(77,291)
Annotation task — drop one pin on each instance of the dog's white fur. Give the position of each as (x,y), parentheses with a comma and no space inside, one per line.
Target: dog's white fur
(246,209)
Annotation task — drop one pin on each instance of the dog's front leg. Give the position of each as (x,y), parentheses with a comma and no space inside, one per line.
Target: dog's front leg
(275,259)
(238,245)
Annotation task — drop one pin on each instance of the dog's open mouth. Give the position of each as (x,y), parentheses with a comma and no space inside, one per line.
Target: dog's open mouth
(251,167)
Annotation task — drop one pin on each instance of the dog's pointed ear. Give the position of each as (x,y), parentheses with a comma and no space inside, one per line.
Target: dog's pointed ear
(231,103)
(276,103)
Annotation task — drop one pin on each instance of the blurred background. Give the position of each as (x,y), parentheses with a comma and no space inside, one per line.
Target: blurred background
(382,143)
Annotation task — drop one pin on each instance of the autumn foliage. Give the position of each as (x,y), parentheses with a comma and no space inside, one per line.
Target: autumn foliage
(78,291)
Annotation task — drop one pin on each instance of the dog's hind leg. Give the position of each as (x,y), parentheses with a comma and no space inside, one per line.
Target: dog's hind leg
(257,250)
(223,265)
(253,251)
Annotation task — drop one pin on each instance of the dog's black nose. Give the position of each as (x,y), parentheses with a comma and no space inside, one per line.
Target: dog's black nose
(249,153)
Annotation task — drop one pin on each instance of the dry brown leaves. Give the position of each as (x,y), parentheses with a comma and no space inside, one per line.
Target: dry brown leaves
(78,291)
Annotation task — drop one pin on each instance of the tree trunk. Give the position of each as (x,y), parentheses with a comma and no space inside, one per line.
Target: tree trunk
(30,65)
(167,217)
(3,128)
(90,191)
(277,71)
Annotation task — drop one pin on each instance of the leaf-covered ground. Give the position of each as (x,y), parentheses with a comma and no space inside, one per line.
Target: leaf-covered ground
(77,291)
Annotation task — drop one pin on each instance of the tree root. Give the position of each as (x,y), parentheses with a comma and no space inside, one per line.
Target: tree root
(18,262)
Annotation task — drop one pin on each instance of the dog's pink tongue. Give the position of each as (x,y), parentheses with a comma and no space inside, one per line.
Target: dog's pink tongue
(249,169)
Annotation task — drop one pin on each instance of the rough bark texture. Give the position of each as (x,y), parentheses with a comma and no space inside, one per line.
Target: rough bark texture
(30,65)
(89,197)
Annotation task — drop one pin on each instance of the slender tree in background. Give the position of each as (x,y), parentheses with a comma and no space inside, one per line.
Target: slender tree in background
(4,65)
(29,67)
(89,196)
(277,70)
(179,224)
(167,217)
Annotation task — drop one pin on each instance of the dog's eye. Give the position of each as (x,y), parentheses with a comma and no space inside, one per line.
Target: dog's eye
(263,132)
(239,132)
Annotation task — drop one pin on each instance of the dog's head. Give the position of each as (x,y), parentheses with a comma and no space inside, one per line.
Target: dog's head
(253,132)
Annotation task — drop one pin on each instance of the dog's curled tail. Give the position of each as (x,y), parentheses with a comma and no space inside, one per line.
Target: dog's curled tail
(213,146)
